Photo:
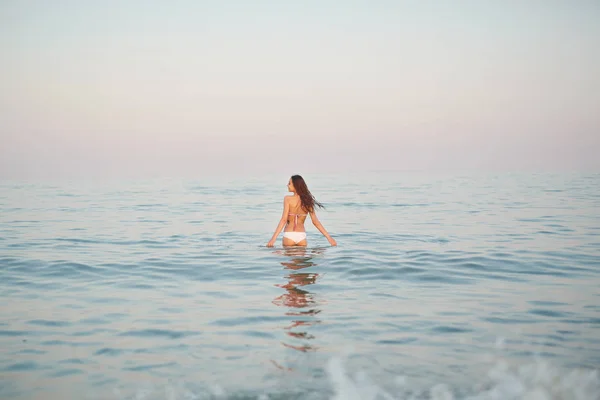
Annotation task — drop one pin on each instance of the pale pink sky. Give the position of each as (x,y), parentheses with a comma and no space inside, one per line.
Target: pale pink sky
(189,88)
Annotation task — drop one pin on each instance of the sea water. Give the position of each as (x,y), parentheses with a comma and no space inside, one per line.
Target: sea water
(472,286)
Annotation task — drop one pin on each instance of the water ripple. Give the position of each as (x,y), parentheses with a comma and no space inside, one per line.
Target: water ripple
(170,334)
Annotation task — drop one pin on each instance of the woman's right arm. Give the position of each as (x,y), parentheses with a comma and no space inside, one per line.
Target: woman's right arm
(321,228)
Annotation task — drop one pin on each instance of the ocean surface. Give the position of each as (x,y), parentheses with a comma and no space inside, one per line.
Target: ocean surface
(441,287)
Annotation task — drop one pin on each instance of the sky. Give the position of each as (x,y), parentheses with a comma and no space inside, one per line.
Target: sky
(195,88)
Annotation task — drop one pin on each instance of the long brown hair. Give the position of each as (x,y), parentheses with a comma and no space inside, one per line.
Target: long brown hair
(307,200)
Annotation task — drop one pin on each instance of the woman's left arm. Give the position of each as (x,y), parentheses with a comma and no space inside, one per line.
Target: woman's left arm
(282,222)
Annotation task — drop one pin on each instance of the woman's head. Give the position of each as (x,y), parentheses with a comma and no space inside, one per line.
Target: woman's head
(297,185)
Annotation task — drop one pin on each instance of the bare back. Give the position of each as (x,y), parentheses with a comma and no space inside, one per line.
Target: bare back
(296,215)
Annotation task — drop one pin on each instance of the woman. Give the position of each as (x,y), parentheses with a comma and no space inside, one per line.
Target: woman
(295,209)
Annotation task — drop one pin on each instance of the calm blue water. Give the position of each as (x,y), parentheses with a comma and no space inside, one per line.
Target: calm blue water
(442,287)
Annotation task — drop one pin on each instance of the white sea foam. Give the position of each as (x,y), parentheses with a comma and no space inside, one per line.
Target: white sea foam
(537,380)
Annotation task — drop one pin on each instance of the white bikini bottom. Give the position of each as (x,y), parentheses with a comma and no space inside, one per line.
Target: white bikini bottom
(295,236)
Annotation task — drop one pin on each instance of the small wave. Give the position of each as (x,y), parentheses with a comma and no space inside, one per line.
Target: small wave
(148,367)
(23,366)
(500,380)
(107,351)
(66,372)
(111,242)
(49,323)
(165,333)
(536,380)
(13,333)
(549,313)
(69,343)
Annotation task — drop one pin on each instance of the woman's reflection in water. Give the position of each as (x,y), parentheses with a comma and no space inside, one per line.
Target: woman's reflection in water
(302,303)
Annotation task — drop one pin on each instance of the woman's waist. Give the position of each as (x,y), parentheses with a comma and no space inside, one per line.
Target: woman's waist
(298,230)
